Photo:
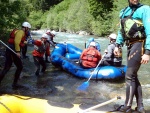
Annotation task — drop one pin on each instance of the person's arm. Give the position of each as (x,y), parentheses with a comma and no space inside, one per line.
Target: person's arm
(109,53)
(146,23)
(119,42)
(18,37)
(52,43)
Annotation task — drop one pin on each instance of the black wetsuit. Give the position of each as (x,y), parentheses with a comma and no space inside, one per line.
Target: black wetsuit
(133,86)
(12,58)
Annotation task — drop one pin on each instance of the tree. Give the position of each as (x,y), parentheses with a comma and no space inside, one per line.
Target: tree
(11,13)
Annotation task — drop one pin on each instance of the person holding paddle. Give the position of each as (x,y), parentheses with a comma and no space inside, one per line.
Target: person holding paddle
(90,57)
(135,31)
(13,53)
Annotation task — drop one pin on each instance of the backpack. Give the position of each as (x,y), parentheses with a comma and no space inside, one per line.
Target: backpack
(132,28)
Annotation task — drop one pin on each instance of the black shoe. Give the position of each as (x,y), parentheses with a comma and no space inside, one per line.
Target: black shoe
(17,86)
(37,74)
(24,57)
(140,110)
(125,109)
(47,61)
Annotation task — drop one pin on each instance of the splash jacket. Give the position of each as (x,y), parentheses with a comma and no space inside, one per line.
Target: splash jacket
(90,57)
(39,48)
(142,14)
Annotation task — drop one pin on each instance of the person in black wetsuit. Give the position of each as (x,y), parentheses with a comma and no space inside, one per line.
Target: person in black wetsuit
(138,50)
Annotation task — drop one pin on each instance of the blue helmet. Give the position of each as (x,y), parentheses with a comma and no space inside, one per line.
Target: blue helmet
(91,39)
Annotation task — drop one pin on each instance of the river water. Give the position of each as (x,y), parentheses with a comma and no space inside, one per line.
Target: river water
(106,88)
(60,87)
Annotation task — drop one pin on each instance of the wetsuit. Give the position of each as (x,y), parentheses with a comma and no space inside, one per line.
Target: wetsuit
(11,57)
(134,52)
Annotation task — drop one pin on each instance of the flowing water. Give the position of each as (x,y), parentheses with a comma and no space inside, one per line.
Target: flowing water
(106,88)
(60,87)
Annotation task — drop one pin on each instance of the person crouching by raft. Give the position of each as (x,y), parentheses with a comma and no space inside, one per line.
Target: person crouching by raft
(90,57)
(49,42)
(51,38)
(40,48)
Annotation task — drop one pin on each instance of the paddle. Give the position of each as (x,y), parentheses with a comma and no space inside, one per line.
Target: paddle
(99,105)
(8,47)
(85,44)
(85,85)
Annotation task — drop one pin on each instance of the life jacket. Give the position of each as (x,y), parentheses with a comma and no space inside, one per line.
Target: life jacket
(41,48)
(90,57)
(132,29)
(12,38)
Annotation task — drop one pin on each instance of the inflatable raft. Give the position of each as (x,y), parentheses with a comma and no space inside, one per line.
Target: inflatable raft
(65,55)
(24,104)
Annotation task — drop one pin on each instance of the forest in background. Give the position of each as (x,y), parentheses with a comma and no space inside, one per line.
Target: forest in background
(97,17)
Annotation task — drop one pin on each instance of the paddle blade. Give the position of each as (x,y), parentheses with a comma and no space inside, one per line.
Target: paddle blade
(83,86)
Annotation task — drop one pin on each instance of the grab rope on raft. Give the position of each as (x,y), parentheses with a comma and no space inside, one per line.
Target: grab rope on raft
(6,107)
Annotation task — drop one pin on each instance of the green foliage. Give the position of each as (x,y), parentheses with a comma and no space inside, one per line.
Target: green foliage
(36,19)
(98,17)
(99,7)
(11,14)
(43,5)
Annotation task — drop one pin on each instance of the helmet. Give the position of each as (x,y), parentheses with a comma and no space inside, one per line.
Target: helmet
(26,24)
(113,36)
(93,44)
(48,31)
(91,39)
(45,36)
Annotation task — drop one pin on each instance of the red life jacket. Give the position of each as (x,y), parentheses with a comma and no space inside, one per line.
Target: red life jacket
(12,38)
(90,57)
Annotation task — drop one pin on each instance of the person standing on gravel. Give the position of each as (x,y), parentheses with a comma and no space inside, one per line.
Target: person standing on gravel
(15,42)
(40,48)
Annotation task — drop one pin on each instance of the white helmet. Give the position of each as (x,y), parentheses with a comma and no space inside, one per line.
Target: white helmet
(48,31)
(93,44)
(45,36)
(113,36)
(26,24)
